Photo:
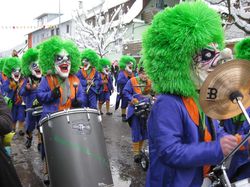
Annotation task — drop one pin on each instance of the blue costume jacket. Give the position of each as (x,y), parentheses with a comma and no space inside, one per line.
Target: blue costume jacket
(93,91)
(51,105)
(18,108)
(121,82)
(105,92)
(138,126)
(29,97)
(177,156)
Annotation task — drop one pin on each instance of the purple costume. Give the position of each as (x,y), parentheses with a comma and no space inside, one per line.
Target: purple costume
(105,91)
(176,155)
(17,110)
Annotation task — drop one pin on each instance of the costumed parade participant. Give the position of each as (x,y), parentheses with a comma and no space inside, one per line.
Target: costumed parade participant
(137,90)
(2,76)
(180,48)
(127,65)
(238,125)
(28,91)
(59,89)
(89,77)
(11,87)
(106,84)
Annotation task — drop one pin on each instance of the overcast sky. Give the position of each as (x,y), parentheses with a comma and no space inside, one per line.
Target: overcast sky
(23,12)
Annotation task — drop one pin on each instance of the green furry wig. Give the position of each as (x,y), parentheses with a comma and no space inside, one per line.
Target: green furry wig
(103,62)
(51,47)
(91,56)
(2,61)
(170,43)
(31,55)
(11,63)
(242,49)
(125,60)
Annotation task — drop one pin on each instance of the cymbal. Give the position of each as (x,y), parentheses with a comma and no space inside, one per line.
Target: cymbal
(225,80)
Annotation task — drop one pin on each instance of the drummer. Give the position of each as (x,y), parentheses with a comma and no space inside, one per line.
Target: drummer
(59,89)
(179,48)
(32,74)
(238,125)
(136,90)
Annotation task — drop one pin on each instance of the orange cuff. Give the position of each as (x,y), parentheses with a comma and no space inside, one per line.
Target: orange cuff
(239,139)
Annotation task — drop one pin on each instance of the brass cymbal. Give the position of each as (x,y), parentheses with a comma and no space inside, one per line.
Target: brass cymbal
(224,81)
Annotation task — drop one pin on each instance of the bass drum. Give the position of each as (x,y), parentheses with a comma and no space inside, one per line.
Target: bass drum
(75,149)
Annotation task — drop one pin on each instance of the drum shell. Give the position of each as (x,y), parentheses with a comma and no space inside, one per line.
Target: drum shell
(75,149)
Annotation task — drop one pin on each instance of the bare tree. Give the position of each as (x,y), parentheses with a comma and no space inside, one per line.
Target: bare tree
(103,31)
(237,12)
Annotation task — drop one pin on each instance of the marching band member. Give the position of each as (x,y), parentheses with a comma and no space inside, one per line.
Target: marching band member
(59,89)
(89,77)
(127,65)
(28,91)
(136,90)
(180,48)
(238,125)
(12,69)
(106,84)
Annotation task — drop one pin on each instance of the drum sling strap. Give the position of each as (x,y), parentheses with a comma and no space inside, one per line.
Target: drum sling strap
(199,118)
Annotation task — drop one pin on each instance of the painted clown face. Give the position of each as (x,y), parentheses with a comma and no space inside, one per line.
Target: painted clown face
(16,74)
(35,70)
(63,64)
(129,67)
(207,59)
(106,70)
(86,64)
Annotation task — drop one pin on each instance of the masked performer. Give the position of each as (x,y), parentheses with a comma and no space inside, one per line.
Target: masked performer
(106,84)
(11,87)
(89,77)
(59,89)
(33,75)
(2,76)
(179,49)
(127,65)
(240,164)
(137,90)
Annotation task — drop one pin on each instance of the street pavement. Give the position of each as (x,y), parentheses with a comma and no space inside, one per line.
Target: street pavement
(125,172)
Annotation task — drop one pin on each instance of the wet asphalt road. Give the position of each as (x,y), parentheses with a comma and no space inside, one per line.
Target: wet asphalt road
(125,172)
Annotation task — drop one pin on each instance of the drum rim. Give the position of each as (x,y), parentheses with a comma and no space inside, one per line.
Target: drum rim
(68,111)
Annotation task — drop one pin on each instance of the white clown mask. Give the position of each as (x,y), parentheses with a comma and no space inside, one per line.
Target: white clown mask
(106,70)
(16,74)
(35,70)
(206,60)
(62,64)
(129,67)
(86,64)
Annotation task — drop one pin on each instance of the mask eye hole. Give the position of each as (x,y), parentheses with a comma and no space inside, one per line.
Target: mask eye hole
(207,54)
(59,58)
(34,65)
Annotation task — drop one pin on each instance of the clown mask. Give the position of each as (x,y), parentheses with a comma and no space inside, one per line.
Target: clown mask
(106,70)
(16,74)
(129,67)
(35,71)
(86,64)
(206,60)
(62,64)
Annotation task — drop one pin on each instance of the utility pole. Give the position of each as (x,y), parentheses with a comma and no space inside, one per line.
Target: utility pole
(59,17)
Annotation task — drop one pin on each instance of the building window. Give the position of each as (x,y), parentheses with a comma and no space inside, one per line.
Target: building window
(52,32)
(67,29)
(57,31)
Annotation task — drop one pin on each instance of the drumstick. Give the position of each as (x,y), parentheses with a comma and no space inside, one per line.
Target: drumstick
(75,84)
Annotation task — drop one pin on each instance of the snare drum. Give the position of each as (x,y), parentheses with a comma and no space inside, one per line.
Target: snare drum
(75,149)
